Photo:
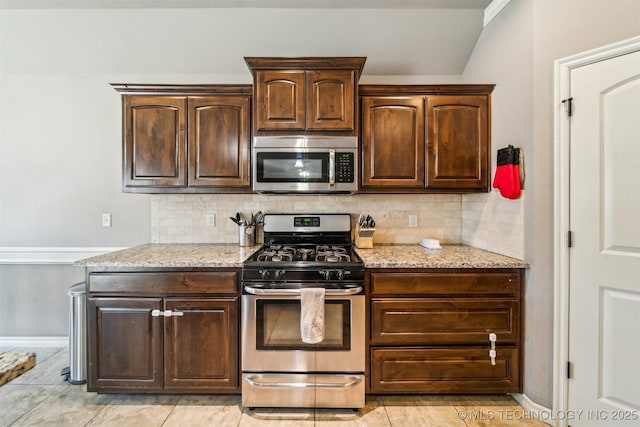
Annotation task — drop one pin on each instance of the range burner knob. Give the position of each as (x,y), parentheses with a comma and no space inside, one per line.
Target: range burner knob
(264,274)
(339,274)
(326,274)
(279,274)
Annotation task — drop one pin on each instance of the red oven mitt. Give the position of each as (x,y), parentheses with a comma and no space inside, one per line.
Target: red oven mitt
(507,177)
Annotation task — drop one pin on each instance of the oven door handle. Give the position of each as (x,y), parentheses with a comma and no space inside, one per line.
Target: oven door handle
(293,292)
(352,380)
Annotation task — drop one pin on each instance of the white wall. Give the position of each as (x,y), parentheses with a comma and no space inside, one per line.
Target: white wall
(517,51)
(60,121)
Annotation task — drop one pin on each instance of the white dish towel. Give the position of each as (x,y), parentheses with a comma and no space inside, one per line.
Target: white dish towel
(312,315)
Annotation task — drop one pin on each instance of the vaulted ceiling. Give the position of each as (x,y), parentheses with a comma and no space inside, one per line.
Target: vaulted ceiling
(399,37)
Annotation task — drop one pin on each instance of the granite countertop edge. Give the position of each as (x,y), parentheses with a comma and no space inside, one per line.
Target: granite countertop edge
(173,255)
(178,255)
(449,256)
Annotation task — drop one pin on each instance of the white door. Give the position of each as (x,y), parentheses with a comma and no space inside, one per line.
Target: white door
(604,263)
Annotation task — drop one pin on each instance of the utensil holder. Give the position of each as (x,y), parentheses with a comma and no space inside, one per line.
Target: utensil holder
(364,237)
(246,235)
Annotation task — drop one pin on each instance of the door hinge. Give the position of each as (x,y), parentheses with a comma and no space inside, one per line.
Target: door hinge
(569,239)
(569,102)
(569,370)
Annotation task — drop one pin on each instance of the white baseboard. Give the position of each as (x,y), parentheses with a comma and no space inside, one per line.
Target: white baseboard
(532,408)
(34,341)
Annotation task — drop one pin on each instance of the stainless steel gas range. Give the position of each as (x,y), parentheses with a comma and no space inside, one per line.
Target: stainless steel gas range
(279,369)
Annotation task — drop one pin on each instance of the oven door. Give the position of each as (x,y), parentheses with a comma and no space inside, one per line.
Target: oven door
(311,170)
(271,339)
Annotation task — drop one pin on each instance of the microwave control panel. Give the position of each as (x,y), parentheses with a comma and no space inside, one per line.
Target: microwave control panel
(345,167)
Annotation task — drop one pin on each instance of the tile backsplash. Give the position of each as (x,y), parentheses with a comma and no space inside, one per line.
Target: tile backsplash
(182,218)
(489,221)
(485,220)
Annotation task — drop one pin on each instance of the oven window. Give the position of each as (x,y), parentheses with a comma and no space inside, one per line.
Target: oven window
(278,326)
(292,167)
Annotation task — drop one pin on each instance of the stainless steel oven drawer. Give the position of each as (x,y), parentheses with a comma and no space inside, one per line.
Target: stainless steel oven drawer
(303,390)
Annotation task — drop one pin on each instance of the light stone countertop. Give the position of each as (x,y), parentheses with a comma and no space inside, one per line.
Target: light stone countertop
(450,256)
(157,255)
(172,255)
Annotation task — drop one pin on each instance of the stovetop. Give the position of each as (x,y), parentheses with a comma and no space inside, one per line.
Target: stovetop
(305,248)
(309,255)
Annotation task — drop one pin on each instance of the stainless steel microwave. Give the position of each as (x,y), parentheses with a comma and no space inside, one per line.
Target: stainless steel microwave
(306,164)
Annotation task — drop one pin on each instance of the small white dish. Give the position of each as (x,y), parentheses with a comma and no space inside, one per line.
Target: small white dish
(430,244)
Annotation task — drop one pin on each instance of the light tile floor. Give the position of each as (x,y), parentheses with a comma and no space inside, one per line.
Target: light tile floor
(41,397)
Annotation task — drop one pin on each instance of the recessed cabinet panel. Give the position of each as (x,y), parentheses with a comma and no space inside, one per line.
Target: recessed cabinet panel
(219,141)
(393,142)
(280,100)
(330,100)
(155,143)
(457,141)
(164,283)
(201,349)
(423,321)
(444,370)
(124,344)
(439,284)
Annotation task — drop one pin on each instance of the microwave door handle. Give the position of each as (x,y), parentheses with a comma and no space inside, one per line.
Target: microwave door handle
(332,168)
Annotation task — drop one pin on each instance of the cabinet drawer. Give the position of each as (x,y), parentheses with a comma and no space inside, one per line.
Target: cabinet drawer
(446,370)
(441,321)
(219,282)
(434,284)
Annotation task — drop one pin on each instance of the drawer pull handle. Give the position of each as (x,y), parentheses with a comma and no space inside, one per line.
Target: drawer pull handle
(492,353)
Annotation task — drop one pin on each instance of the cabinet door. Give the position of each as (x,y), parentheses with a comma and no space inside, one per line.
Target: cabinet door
(201,344)
(279,101)
(393,142)
(444,370)
(330,100)
(219,141)
(458,142)
(154,141)
(124,344)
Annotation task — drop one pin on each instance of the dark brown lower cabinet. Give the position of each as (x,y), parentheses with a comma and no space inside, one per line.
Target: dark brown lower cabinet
(125,344)
(430,330)
(152,342)
(445,370)
(200,346)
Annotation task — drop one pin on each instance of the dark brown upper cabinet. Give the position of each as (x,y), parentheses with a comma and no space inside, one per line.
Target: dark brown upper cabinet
(155,142)
(458,142)
(186,138)
(305,95)
(393,142)
(423,138)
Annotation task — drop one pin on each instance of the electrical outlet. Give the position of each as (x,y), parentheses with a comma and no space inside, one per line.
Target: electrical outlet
(211,220)
(413,221)
(106,220)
